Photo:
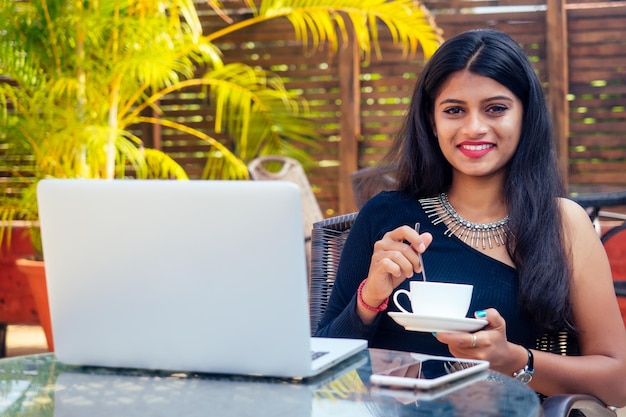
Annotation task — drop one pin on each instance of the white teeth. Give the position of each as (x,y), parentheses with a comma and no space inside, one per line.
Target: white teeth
(476,147)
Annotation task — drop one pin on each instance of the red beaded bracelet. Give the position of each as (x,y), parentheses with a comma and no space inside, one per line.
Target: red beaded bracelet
(378,309)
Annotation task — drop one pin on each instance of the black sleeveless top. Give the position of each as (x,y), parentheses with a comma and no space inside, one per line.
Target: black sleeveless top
(448,259)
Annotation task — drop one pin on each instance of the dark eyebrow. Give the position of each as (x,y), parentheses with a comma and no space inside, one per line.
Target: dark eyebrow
(494,98)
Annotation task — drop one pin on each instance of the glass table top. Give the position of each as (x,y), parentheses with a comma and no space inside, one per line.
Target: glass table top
(38,385)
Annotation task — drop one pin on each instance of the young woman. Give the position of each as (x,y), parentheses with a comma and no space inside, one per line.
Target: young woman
(477,153)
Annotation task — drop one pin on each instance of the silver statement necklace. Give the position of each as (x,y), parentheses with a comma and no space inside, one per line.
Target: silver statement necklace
(439,210)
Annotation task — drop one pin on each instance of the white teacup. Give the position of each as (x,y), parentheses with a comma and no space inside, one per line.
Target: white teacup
(437,299)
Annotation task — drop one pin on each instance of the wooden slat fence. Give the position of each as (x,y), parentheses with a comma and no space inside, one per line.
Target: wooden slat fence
(597,96)
(597,88)
(596,62)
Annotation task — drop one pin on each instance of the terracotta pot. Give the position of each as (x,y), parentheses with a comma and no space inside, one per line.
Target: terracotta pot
(36,274)
(17,305)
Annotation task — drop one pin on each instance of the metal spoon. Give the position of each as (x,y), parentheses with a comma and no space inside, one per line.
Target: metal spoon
(417,229)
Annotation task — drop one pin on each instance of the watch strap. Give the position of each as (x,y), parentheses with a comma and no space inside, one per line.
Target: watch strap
(525,375)
(530,366)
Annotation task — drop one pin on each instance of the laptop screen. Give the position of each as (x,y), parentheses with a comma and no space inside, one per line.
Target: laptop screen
(182,275)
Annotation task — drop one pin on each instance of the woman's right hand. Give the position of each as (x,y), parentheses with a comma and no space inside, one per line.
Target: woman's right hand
(395,258)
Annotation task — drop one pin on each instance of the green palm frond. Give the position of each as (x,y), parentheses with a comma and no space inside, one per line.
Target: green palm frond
(270,120)
(410,24)
(178,57)
(162,166)
(254,106)
(227,165)
(16,63)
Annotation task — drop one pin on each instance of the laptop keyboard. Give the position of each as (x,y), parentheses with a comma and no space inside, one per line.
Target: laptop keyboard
(315,355)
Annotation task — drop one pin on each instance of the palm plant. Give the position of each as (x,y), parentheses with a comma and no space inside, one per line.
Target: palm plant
(82,76)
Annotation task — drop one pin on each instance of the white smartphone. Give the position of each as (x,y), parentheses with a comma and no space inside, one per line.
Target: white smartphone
(406,396)
(419,371)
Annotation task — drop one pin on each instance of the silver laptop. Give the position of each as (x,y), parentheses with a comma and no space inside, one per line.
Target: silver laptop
(201,276)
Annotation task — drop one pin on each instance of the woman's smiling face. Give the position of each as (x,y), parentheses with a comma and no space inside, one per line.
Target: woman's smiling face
(478,123)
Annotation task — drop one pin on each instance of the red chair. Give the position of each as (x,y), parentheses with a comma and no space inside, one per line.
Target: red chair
(615,245)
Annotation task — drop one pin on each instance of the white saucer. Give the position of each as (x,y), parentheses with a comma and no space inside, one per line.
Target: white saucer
(416,323)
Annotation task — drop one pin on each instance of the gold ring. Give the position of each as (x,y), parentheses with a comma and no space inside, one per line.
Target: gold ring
(474,340)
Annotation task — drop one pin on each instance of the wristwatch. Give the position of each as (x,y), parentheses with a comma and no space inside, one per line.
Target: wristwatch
(525,375)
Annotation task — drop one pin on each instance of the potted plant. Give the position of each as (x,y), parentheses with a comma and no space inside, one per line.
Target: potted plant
(79,79)
(62,109)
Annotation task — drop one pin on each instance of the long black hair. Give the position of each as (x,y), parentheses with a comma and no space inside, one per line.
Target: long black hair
(533,183)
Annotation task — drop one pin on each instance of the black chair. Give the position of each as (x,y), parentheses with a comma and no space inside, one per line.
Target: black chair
(327,241)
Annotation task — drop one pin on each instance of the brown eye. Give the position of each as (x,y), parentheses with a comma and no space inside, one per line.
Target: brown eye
(453,110)
(498,108)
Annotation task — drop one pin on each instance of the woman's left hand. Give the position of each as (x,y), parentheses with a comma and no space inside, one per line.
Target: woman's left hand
(488,344)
